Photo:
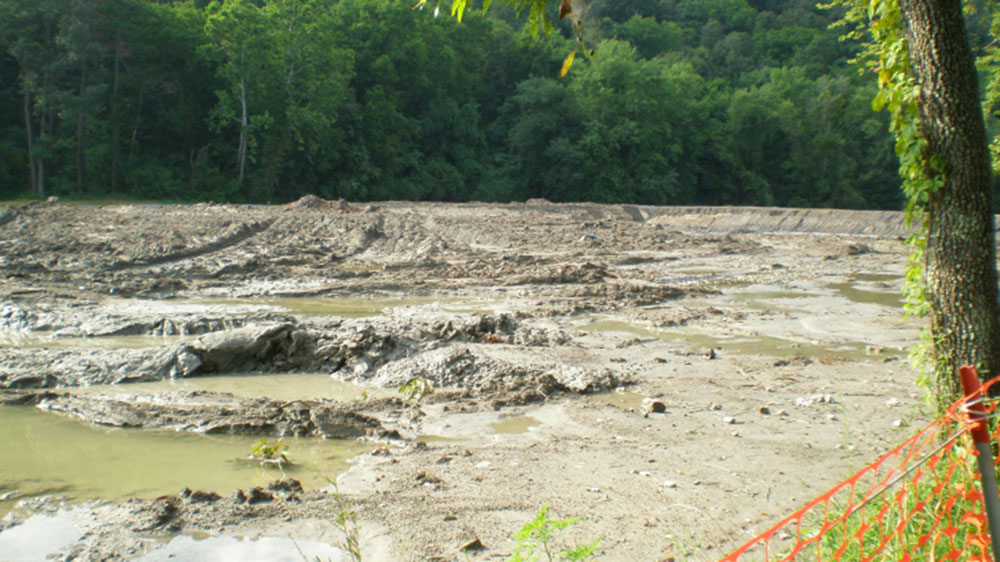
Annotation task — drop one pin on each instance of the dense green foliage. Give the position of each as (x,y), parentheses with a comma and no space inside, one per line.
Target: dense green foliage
(684,102)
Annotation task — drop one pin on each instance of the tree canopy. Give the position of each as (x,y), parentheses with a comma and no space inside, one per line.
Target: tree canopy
(685,102)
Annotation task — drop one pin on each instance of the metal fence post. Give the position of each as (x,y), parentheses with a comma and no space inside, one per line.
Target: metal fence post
(981,437)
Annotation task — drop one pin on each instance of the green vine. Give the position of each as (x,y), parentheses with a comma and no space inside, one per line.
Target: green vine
(878,25)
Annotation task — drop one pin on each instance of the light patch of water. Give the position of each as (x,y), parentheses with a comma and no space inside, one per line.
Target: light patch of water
(514,425)
(743,345)
(622,399)
(296,386)
(480,426)
(46,454)
(38,536)
(231,549)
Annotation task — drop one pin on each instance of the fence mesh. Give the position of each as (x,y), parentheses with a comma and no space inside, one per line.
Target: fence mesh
(920,501)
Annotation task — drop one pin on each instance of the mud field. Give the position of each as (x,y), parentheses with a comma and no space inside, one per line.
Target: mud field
(678,378)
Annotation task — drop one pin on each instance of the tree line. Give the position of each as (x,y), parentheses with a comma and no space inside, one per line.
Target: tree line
(744,102)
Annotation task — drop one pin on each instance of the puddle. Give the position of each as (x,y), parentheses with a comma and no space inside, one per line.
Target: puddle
(514,425)
(848,290)
(44,340)
(279,387)
(491,425)
(56,455)
(230,549)
(331,306)
(39,536)
(743,345)
(878,277)
(621,399)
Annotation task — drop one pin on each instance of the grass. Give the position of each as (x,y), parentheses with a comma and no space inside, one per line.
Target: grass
(925,516)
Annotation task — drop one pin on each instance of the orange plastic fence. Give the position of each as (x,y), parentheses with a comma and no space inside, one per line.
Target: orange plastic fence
(921,501)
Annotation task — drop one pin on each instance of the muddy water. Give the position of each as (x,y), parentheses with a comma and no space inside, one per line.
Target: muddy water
(742,345)
(866,289)
(514,425)
(47,454)
(39,536)
(279,387)
(334,306)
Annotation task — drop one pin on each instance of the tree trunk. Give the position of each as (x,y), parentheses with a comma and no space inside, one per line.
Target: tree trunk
(31,141)
(116,157)
(960,272)
(244,125)
(79,131)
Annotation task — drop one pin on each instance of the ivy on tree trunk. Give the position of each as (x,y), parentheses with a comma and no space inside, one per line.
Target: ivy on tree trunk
(960,257)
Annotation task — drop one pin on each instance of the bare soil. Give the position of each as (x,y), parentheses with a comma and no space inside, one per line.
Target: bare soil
(768,344)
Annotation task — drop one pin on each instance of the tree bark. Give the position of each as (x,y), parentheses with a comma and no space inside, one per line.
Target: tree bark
(244,125)
(961,270)
(116,157)
(79,131)
(31,140)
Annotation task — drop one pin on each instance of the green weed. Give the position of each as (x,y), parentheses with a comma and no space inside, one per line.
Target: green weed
(417,388)
(270,454)
(533,540)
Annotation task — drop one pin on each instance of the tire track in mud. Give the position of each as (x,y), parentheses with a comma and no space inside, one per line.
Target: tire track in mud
(243,232)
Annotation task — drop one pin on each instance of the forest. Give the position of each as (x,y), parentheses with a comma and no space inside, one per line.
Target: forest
(742,102)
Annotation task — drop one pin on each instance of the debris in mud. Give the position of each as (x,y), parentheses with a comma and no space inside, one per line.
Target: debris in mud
(857,248)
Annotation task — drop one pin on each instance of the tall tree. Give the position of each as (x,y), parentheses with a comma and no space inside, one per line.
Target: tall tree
(961,269)
(238,32)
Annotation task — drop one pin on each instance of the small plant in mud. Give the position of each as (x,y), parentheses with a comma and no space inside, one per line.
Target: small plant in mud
(346,520)
(533,541)
(269,454)
(417,388)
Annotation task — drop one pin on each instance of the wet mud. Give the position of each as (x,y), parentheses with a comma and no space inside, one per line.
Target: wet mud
(649,369)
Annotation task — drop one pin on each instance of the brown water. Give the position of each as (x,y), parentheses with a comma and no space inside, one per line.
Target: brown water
(47,454)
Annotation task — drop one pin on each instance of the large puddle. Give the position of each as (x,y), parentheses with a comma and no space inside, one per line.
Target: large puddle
(743,345)
(279,387)
(46,454)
